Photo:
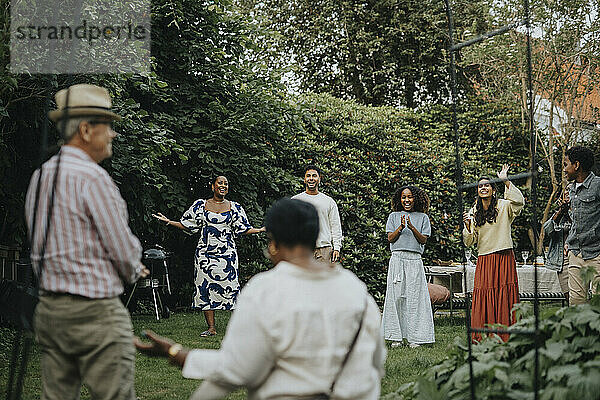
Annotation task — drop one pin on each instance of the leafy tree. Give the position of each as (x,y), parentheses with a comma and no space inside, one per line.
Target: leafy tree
(566,75)
(379,52)
(201,112)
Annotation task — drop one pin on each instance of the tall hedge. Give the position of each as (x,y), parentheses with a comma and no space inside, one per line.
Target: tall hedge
(366,153)
(206,110)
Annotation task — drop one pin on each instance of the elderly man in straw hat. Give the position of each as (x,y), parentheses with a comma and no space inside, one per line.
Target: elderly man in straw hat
(81,255)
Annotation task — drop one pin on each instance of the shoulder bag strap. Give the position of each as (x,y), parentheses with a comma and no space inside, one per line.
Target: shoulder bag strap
(360,324)
(48,218)
(63,121)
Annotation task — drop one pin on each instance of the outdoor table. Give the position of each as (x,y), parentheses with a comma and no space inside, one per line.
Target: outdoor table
(547,279)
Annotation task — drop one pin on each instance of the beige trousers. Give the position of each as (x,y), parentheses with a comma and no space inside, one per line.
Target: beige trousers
(577,292)
(85,341)
(563,275)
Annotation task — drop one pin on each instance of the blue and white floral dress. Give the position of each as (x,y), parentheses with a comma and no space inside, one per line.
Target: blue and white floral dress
(216,261)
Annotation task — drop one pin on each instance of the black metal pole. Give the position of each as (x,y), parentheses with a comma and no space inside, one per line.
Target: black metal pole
(533,151)
(27,344)
(511,178)
(459,182)
(16,349)
(488,35)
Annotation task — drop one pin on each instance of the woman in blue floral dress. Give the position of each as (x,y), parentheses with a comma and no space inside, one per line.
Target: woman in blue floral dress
(219,222)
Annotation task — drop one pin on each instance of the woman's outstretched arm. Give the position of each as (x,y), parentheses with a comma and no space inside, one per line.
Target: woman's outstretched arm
(176,224)
(255,230)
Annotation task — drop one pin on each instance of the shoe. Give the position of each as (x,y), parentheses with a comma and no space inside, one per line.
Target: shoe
(207,333)
(413,345)
(396,344)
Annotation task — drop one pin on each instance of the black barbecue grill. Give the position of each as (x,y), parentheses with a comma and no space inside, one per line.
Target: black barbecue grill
(156,285)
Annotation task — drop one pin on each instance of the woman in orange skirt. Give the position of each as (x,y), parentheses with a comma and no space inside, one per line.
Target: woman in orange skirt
(488,224)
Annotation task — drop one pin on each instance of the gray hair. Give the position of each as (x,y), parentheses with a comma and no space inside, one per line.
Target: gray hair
(70,128)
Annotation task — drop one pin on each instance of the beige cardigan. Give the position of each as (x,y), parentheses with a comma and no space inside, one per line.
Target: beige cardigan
(496,236)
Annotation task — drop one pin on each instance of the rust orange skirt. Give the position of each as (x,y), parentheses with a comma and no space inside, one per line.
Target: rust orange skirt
(495,291)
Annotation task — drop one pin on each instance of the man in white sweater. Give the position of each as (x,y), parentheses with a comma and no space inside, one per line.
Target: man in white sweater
(329,241)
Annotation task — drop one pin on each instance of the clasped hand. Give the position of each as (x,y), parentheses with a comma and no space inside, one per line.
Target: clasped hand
(405,222)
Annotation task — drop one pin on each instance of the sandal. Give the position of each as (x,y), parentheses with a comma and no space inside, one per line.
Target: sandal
(207,333)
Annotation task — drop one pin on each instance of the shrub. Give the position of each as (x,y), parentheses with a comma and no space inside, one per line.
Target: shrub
(569,363)
(366,153)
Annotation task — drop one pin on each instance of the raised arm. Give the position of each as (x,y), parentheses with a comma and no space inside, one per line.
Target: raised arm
(503,174)
(512,193)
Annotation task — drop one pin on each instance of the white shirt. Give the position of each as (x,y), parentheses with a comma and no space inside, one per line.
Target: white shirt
(288,337)
(330,227)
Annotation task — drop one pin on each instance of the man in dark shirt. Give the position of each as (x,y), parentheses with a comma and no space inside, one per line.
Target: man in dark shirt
(583,241)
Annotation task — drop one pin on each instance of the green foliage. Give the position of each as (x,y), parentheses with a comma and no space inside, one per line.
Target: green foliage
(378,52)
(207,110)
(565,77)
(569,361)
(202,112)
(367,153)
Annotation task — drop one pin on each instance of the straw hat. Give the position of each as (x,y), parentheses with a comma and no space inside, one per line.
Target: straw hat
(84,100)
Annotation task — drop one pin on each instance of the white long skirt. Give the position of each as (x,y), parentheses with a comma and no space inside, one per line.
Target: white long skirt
(407,308)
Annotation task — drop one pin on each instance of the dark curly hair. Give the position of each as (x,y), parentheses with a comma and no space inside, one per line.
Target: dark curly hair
(482,216)
(421,203)
(582,154)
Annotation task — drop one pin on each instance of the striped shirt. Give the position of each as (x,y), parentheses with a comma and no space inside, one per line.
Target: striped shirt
(90,248)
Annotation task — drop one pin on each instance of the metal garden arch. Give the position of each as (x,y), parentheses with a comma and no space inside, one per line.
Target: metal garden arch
(461,187)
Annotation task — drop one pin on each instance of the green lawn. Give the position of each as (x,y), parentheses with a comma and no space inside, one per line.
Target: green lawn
(156,379)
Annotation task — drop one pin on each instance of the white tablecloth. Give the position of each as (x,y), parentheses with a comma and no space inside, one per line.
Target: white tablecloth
(547,278)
